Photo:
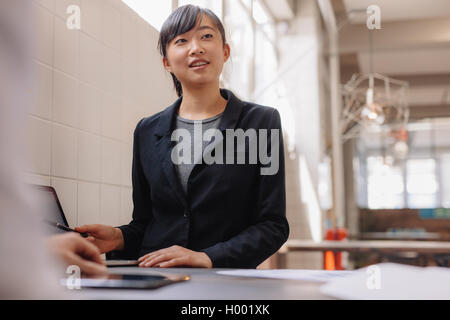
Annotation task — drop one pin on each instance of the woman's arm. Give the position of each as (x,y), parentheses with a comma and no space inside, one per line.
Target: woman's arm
(270,228)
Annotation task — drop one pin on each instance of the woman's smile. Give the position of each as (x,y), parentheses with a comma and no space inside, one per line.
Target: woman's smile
(199,65)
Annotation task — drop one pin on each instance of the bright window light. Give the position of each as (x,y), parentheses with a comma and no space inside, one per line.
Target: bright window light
(259,14)
(154,12)
(384,185)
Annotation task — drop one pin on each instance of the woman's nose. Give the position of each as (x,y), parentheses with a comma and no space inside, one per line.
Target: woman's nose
(196,48)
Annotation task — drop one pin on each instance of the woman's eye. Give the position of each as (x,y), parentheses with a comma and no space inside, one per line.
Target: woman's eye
(180,41)
(208,35)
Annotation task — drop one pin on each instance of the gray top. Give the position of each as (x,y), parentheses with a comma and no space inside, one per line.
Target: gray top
(185,169)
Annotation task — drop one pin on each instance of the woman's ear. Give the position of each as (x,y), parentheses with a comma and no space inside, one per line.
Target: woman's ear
(226,52)
(166,65)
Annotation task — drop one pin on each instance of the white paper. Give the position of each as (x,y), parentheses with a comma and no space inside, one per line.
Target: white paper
(392,281)
(289,274)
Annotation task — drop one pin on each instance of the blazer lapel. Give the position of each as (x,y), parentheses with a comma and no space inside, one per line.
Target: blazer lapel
(164,144)
(231,114)
(164,147)
(232,111)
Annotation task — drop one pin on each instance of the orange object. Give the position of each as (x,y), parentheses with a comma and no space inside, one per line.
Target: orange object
(400,134)
(328,256)
(333,260)
(328,261)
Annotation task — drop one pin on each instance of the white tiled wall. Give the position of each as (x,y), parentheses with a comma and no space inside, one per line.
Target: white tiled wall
(90,88)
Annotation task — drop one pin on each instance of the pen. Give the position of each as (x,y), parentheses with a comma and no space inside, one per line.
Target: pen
(63,227)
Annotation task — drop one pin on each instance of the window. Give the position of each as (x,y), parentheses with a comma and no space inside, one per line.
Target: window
(259,14)
(414,183)
(325,182)
(384,185)
(445,180)
(247,3)
(422,186)
(240,37)
(266,62)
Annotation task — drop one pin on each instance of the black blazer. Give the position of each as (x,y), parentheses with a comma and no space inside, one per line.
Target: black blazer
(231,212)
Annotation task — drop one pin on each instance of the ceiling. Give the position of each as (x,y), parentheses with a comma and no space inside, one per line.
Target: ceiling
(413,44)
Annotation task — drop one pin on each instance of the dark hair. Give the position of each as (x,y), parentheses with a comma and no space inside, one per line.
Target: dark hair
(180,21)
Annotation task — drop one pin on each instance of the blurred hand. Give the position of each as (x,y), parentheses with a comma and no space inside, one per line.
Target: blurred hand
(106,238)
(175,256)
(75,250)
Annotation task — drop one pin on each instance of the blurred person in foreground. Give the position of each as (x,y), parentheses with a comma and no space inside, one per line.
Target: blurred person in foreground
(31,264)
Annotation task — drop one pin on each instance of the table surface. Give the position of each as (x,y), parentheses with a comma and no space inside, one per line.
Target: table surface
(436,247)
(205,284)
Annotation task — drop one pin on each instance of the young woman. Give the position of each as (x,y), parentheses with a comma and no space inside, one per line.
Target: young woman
(202,213)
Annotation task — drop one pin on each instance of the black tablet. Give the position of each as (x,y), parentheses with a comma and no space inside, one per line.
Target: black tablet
(130,281)
(121,263)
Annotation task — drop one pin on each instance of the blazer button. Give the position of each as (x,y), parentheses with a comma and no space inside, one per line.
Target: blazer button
(186,213)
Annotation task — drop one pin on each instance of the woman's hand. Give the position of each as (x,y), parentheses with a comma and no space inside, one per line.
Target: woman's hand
(75,250)
(106,238)
(175,256)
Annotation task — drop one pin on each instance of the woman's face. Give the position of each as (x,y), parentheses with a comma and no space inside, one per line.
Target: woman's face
(197,56)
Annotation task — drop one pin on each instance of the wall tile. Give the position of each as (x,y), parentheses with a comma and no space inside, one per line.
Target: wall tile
(30,178)
(42,96)
(67,194)
(62,5)
(64,152)
(110,199)
(90,108)
(66,48)
(126,211)
(126,160)
(110,161)
(48,4)
(111,117)
(111,26)
(129,40)
(130,118)
(88,203)
(89,157)
(118,4)
(128,79)
(38,145)
(66,99)
(111,71)
(91,17)
(43,30)
(91,60)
